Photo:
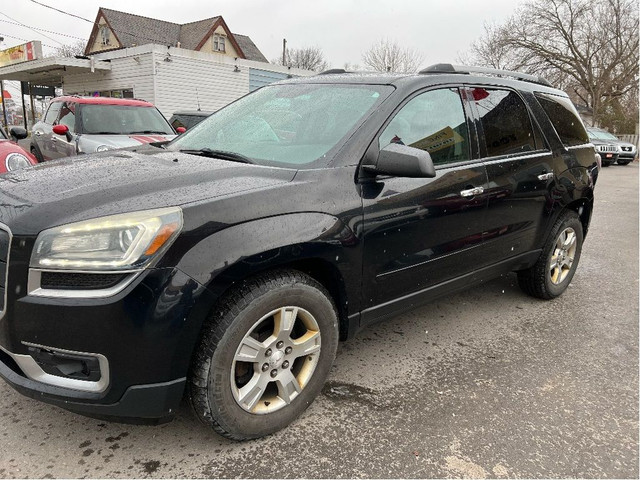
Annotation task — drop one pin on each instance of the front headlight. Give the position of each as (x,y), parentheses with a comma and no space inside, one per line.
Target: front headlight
(16,161)
(128,241)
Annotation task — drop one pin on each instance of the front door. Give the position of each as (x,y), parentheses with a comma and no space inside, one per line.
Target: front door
(420,233)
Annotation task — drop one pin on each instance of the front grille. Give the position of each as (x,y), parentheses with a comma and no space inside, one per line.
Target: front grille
(607,148)
(79,281)
(5,240)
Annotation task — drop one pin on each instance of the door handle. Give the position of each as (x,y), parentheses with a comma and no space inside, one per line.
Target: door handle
(472,192)
(545,176)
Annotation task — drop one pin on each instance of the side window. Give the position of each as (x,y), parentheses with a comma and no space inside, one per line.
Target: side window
(433,121)
(505,121)
(52,113)
(565,119)
(68,116)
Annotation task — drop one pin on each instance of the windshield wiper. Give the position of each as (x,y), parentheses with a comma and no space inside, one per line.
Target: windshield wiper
(222,154)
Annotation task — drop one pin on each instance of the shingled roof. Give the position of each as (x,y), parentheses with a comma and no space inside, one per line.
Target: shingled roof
(132,30)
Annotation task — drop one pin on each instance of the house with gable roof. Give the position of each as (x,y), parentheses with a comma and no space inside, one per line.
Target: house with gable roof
(113,30)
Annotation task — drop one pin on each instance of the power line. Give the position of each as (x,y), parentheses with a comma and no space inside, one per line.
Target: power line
(61,11)
(41,29)
(25,40)
(27,26)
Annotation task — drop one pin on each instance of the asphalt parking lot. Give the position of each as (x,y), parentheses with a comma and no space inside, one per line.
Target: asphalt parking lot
(487,383)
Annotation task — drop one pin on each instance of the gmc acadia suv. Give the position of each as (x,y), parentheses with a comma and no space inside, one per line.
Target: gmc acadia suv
(228,263)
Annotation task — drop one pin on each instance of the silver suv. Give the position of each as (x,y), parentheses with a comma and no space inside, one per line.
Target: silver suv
(75,125)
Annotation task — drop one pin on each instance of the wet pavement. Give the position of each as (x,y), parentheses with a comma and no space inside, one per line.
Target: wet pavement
(486,383)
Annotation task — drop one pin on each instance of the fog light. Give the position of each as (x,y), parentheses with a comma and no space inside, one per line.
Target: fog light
(78,367)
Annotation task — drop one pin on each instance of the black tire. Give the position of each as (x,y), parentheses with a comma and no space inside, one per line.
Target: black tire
(213,384)
(605,164)
(543,281)
(35,151)
(624,162)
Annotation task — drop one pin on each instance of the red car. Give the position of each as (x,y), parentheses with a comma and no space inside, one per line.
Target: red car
(12,155)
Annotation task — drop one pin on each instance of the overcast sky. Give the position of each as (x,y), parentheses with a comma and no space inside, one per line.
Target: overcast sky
(343,29)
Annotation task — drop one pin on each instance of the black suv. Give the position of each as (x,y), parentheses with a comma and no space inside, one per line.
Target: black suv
(230,262)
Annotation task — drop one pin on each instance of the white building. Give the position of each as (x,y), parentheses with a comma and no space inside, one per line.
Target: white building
(177,67)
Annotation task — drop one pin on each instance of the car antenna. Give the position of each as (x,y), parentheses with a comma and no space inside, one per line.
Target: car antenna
(197,99)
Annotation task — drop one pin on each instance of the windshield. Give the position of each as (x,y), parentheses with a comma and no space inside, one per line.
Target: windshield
(601,135)
(286,125)
(122,120)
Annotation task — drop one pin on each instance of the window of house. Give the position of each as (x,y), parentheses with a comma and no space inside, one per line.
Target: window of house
(433,121)
(105,34)
(505,122)
(218,43)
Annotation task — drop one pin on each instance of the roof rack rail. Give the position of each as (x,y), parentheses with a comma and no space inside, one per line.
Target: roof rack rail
(333,71)
(467,70)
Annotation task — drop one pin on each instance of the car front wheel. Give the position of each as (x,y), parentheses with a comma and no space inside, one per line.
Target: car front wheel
(552,273)
(264,355)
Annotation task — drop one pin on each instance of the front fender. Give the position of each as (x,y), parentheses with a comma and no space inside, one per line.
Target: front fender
(240,251)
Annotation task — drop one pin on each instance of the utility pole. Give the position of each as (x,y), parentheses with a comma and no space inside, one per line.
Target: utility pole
(284,52)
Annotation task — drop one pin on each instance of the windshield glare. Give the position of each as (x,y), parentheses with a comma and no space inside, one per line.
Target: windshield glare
(286,125)
(122,120)
(601,135)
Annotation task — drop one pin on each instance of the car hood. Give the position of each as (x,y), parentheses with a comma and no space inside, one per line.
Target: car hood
(89,186)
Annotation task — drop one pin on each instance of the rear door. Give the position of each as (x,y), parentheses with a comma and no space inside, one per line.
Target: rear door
(422,232)
(519,169)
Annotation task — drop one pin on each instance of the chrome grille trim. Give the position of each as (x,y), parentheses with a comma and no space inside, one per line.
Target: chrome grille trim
(5,270)
(607,148)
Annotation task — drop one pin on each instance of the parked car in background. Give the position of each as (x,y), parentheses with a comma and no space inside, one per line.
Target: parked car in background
(182,121)
(229,263)
(13,156)
(75,125)
(610,148)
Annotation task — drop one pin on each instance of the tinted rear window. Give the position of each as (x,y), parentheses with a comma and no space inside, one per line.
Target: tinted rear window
(505,121)
(565,119)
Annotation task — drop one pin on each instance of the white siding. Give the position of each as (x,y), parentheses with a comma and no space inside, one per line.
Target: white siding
(184,80)
(170,77)
(134,72)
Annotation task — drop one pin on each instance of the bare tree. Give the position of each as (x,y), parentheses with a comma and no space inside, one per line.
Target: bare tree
(308,58)
(587,47)
(70,49)
(387,56)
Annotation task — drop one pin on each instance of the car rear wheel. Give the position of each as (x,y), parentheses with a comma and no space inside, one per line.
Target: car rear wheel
(264,355)
(552,273)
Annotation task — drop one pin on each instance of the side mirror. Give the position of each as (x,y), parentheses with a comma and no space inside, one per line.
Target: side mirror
(62,130)
(181,130)
(18,133)
(403,161)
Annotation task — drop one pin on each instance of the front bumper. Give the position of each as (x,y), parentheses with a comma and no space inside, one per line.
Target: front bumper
(142,339)
(140,404)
